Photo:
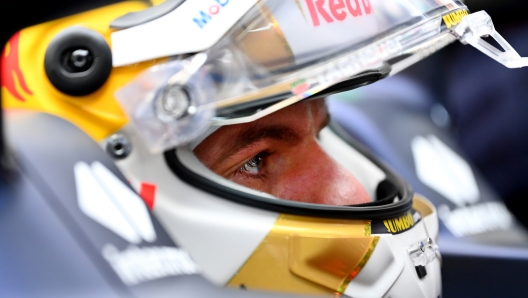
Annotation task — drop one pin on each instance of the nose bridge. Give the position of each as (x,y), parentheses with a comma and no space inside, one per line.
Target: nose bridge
(332,172)
(325,180)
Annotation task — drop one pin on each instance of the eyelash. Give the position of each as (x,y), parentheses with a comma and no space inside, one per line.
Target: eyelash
(251,163)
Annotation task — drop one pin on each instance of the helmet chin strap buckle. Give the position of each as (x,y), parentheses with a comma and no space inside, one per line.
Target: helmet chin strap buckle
(423,252)
(473,27)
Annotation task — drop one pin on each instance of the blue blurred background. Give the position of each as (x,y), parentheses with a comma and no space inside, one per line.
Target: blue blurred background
(487,102)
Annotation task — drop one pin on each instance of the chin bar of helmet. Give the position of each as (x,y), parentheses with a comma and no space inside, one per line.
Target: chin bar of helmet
(477,25)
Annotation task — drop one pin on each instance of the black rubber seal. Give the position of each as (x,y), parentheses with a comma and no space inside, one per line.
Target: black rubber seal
(81,82)
(365,78)
(362,79)
(383,208)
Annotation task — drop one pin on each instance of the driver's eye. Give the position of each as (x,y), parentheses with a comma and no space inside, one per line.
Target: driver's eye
(253,166)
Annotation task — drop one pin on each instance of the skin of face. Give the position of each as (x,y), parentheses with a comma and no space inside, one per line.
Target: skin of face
(280,154)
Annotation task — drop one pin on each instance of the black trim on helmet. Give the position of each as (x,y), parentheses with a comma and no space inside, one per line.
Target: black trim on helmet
(386,191)
(382,208)
(386,188)
(362,79)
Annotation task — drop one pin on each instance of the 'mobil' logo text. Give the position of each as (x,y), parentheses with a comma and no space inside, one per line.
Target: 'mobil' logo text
(337,10)
(207,14)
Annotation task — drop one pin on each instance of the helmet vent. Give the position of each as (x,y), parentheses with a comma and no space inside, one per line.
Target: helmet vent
(78,61)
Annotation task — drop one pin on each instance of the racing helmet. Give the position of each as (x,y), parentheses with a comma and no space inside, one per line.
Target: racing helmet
(153,83)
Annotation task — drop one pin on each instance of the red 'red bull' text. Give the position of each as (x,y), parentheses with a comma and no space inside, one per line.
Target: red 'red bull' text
(336,10)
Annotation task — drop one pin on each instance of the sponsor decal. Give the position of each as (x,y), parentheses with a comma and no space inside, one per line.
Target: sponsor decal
(195,25)
(105,199)
(337,10)
(396,225)
(399,224)
(136,265)
(476,219)
(108,201)
(207,14)
(454,18)
(12,76)
(147,192)
(299,87)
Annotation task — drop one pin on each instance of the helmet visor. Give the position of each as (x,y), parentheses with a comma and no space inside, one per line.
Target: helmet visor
(281,52)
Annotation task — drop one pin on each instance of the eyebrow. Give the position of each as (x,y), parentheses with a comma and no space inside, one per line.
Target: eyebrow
(253,135)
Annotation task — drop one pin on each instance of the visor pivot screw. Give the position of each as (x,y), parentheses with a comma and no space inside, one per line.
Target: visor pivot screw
(118,146)
(174,103)
(192,110)
(79,60)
